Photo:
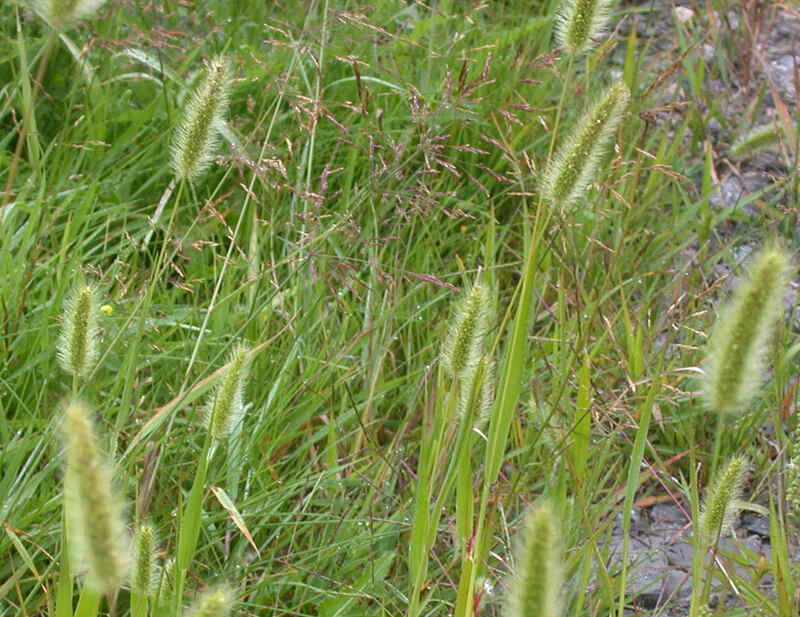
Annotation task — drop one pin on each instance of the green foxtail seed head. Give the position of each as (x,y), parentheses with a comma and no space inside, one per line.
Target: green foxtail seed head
(722,502)
(95,523)
(792,481)
(143,579)
(487,393)
(580,23)
(216,602)
(738,344)
(536,587)
(476,393)
(226,405)
(198,134)
(77,345)
(62,13)
(574,165)
(166,583)
(464,343)
(792,484)
(759,138)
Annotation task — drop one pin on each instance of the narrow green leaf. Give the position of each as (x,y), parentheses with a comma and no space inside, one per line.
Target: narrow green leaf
(632,483)
(583,423)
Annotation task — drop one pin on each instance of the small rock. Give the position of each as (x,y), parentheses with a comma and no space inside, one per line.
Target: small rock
(667,516)
(677,585)
(679,554)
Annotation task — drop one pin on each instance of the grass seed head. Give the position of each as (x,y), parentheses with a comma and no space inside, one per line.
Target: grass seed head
(475,400)
(536,587)
(757,139)
(63,13)
(488,386)
(464,343)
(95,523)
(198,135)
(226,406)
(722,502)
(77,345)
(165,583)
(738,345)
(143,580)
(792,484)
(568,174)
(216,602)
(581,23)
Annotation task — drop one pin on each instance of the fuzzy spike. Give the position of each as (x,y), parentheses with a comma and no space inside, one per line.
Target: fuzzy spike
(473,404)
(759,138)
(143,580)
(721,504)
(463,345)
(77,344)
(226,405)
(198,134)
(95,523)
(535,590)
(581,23)
(216,602)
(738,345)
(62,13)
(165,583)
(574,165)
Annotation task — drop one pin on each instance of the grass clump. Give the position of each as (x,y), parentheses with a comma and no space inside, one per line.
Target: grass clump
(379,155)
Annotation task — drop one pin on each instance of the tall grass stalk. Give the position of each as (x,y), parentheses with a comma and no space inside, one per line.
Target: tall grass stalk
(223,409)
(503,412)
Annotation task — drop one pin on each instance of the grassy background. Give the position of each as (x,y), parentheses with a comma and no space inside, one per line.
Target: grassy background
(376,157)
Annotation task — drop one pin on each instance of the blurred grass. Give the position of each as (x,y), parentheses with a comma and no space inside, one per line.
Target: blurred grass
(375,145)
